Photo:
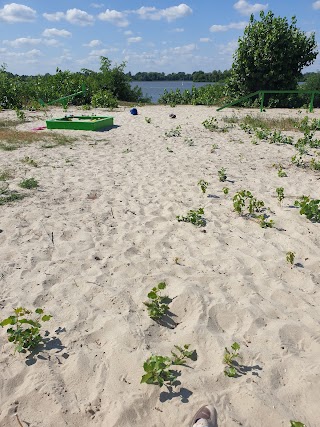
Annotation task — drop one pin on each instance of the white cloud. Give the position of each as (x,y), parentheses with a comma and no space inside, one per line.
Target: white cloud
(128,33)
(232,26)
(51,42)
(23,41)
(102,52)
(14,12)
(93,43)
(205,40)
(316,5)
(170,13)
(114,17)
(178,30)
(183,50)
(73,16)
(54,17)
(245,8)
(134,39)
(97,5)
(54,32)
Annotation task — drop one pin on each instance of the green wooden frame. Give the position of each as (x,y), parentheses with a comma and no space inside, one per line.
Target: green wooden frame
(261,94)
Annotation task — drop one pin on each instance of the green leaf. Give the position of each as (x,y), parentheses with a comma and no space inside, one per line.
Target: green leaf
(152,295)
(146,377)
(297,424)
(235,346)
(162,285)
(39,311)
(9,321)
(46,317)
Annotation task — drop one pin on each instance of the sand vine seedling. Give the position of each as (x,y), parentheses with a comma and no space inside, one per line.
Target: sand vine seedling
(148,119)
(182,354)
(297,160)
(280,194)
(214,147)
(194,217)
(169,150)
(225,190)
(24,330)
(174,132)
(158,370)
(309,207)
(264,222)
(297,424)
(281,172)
(5,175)
(203,185)
(315,165)
(229,357)
(29,161)
(29,183)
(222,175)
(290,257)
(240,200)
(158,304)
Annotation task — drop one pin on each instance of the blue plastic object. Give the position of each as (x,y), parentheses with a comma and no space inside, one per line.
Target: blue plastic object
(134,111)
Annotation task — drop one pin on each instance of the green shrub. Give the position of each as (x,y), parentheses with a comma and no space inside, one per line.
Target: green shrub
(104,99)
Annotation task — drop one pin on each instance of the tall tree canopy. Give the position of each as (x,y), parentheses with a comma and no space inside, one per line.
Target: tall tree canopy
(270,55)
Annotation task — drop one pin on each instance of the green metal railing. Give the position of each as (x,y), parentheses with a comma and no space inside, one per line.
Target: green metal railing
(65,99)
(261,94)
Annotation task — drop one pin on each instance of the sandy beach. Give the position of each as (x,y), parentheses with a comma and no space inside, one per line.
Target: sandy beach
(100,230)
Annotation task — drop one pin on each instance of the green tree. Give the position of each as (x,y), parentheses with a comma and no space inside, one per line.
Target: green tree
(270,55)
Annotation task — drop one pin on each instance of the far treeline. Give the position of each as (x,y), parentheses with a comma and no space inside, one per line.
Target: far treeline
(271,55)
(197,76)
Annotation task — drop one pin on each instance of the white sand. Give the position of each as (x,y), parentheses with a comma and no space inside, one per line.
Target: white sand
(115,236)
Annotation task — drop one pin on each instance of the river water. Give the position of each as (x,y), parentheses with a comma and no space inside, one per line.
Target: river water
(156,89)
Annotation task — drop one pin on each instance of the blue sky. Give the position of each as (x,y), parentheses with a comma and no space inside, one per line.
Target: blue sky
(150,35)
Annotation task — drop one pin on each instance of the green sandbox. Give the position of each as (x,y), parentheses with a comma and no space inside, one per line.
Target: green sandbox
(81,122)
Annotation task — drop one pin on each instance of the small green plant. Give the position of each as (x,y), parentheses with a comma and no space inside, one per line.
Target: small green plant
(181,355)
(214,147)
(169,150)
(158,304)
(7,196)
(315,165)
(5,175)
(24,331)
(281,172)
(280,194)
(148,119)
(174,132)
(264,222)
(240,200)
(290,257)
(225,190)
(297,424)
(194,217)
(29,183)
(211,124)
(297,160)
(20,114)
(203,185)
(222,175)
(157,368)
(309,207)
(29,161)
(228,359)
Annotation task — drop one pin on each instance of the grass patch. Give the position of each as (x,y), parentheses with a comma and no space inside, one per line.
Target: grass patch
(29,183)
(7,196)
(285,123)
(5,174)
(12,139)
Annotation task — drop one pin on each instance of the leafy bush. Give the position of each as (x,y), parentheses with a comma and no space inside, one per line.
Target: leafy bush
(25,331)
(158,304)
(205,95)
(194,217)
(309,207)
(103,99)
